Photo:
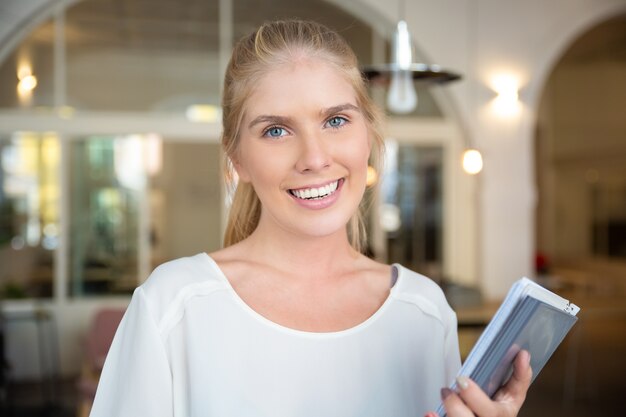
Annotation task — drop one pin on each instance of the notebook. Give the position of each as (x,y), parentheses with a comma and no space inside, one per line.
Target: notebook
(531,318)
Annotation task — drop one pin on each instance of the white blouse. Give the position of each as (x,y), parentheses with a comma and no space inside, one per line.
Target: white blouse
(189,346)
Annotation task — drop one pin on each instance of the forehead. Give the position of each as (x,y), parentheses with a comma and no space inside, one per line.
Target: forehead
(304,84)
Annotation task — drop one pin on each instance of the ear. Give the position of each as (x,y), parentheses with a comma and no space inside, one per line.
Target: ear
(242,173)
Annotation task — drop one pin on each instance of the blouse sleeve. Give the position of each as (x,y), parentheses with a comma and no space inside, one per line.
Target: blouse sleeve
(451,347)
(136,379)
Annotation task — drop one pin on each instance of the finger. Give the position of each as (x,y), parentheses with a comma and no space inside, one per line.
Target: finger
(455,407)
(518,385)
(475,398)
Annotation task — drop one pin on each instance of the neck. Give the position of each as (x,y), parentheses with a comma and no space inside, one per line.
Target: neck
(309,257)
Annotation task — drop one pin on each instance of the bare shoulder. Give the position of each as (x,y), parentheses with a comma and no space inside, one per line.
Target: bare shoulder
(233,262)
(225,255)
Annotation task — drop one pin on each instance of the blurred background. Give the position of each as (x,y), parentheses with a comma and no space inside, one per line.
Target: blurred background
(110,165)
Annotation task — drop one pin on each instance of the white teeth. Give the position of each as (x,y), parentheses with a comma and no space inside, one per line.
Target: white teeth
(316,193)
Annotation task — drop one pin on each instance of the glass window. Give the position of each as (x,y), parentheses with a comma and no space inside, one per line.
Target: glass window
(137,201)
(107,182)
(29,216)
(411,213)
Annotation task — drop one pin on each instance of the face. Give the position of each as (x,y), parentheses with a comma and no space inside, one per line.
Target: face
(304,147)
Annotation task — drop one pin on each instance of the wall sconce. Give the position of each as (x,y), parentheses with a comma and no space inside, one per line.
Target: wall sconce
(472,161)
(26,83)
(506,103)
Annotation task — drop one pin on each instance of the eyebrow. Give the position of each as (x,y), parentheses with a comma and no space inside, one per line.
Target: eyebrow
(282,120)
(338,109)
(268,118)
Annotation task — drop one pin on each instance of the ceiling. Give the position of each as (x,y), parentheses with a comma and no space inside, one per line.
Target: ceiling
(191,24)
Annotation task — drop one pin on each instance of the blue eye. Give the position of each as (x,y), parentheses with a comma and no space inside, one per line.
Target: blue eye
(336,121)
(275,132)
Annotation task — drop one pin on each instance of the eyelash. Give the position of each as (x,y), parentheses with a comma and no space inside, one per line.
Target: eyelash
(266,132)
(344,120)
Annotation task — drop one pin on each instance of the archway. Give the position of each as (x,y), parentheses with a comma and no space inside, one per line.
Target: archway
(580,154)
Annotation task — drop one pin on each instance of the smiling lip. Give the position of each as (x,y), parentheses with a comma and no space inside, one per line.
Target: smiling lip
(318,196)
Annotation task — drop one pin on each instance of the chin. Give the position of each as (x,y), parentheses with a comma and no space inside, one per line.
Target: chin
(325,228)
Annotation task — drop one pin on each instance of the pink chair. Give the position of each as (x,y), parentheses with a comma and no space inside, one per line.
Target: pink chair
(96,343)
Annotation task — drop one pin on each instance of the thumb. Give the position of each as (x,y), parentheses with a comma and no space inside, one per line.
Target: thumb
(519,383)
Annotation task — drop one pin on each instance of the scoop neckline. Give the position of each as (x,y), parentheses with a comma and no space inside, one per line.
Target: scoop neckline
(396,276)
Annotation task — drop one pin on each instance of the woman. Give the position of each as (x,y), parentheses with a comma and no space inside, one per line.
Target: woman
(290,319)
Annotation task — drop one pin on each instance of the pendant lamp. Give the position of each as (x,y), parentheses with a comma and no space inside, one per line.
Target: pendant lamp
(402,73)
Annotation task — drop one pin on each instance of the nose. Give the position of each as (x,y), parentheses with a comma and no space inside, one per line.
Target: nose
(313,154)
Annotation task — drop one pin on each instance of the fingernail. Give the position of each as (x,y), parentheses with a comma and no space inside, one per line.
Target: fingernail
(445,393)
(462,382)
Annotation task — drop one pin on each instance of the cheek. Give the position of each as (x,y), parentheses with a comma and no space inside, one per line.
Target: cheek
(253,164)
(361,161)
(265,172)
(359,153)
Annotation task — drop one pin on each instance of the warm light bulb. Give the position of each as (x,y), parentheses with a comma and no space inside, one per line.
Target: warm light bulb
(402,48)
(27,84)
(401,97)
(472,161)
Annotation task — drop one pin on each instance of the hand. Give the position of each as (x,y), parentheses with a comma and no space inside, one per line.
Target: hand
(472,400)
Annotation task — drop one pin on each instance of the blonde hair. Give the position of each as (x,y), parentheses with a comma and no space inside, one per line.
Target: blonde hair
(274,44)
